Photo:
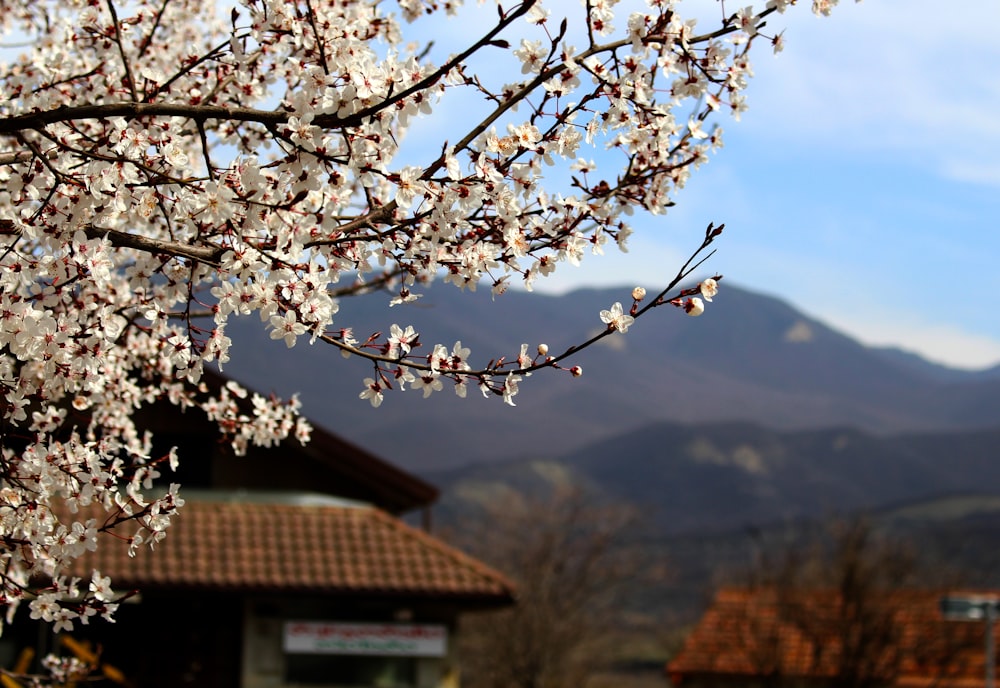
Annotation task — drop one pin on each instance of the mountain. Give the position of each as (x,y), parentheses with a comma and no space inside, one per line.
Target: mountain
(954,541)
(921,366)
(730,432)
(717,500)
(749,358)
(722,477)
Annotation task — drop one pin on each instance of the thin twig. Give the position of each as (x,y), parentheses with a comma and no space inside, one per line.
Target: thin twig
(121,50)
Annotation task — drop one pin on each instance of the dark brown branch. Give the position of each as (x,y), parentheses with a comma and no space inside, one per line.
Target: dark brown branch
(495,370)
(439,73)
(148,38)
(199,113)
(272,118)
(383,214)
(121,50)
(15,157)
(203,254)
(728,28)
(320,44)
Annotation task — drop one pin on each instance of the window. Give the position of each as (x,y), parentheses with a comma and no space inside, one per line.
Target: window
(346,671)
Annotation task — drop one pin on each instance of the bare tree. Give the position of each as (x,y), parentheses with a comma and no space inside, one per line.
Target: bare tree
(850,608)
(573,564)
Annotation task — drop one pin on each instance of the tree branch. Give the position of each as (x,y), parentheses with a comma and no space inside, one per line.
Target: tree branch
(203,254)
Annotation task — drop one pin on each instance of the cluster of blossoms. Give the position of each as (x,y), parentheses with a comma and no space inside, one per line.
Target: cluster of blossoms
(167,165)
(618,321)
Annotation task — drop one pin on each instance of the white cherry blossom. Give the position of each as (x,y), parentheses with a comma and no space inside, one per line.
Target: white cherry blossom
(287,327)
(708,288)
(372,392)
(616,318)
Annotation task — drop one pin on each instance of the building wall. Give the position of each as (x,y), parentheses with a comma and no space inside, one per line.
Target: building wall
(218,640)
(266,664)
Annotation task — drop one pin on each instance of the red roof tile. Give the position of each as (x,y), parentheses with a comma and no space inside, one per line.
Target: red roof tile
(749,633)
(243,546)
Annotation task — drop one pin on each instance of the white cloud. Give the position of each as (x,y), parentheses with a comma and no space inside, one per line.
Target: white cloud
(944,344)
(876,78)
(986,173)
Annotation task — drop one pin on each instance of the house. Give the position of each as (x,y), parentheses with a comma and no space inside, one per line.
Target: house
(286,567)
(766,637)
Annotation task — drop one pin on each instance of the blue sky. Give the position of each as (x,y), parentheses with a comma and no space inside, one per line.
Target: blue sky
(874,142)
(862,186)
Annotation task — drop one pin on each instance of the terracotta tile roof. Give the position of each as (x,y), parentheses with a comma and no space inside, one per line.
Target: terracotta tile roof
(280,547)
(754,632)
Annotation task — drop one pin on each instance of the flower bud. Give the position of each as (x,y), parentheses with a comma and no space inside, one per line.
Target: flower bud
(638,294)
(576,371)
(694,306)
(543,349)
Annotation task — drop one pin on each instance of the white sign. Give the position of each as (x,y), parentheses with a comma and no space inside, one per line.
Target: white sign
(401,640)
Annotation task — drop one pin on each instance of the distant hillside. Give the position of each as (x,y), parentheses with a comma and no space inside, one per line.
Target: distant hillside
(955,541)
(716,499)
(923,367)
(750,358)
(730,476)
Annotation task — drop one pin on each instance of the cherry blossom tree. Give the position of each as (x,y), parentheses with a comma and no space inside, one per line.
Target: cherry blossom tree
(166,165)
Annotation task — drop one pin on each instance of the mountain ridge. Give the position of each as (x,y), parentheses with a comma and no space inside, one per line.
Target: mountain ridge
(728,476)
(750,357)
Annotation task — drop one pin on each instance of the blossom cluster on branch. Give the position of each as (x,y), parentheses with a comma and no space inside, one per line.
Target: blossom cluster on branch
(166,165)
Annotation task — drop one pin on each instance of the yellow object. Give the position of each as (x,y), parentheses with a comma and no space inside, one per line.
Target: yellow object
(20,667)
(85,653)
(114,674)
(81,650)
(8,682)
